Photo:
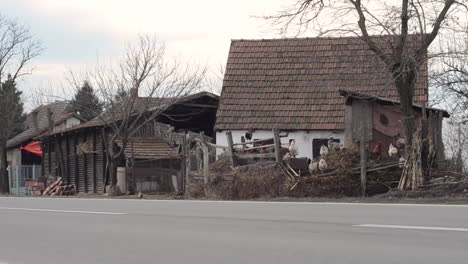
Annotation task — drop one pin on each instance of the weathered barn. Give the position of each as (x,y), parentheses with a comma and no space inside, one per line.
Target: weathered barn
(78,155)
(379,121)
(293,85)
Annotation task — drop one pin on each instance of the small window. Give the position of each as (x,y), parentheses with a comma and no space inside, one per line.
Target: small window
(384,120)
(317,143)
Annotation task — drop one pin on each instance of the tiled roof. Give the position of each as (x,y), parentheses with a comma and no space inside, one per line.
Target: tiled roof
(37,122)
(294,83)
(149,148)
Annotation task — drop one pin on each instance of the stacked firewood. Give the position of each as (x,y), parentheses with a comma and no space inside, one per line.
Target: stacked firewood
(59,188)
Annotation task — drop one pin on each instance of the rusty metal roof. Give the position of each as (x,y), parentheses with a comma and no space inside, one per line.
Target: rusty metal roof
(149,148)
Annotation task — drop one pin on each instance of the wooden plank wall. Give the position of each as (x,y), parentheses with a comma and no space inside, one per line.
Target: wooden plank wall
(85,170)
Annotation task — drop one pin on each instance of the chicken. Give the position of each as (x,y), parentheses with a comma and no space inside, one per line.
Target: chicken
(322,165)
(323,151)
(332,145)
(401,162)
(376,151)
(313,167)
(392,151)
(293,150)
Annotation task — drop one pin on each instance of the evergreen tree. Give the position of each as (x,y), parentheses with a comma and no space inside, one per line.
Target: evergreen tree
(86,103)
(11,120)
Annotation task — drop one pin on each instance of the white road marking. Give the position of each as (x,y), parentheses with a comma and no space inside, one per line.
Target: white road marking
(436,228)
(357,203)
(60,211)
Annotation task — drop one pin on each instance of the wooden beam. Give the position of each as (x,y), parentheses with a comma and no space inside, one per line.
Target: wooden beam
(206,163)
(363,165)
(67,159)
(85,167)
(187,163)
(255,155)
(230,147)
(277,142)
(200,105)
(75,155)
(94,163)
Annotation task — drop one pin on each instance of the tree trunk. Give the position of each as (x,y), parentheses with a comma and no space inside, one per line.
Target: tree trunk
(115,157)
(4,181)
(406,84)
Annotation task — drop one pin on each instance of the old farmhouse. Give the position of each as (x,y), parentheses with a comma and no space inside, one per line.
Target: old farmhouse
(293,85)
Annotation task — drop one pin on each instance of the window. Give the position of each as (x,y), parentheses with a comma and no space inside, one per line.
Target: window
(317,143)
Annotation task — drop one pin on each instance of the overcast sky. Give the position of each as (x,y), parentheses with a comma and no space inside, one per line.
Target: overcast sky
(78,33)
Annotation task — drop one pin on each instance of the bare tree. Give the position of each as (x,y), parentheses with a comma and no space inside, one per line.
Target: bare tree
(396,18)
(139,88)
(449,82)
(449,77)
(17,48)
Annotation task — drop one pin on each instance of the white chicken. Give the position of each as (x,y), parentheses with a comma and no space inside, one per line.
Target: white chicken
(323,150)
(332,145)
(293,148)
(313,167)
(322,165)
(392,151)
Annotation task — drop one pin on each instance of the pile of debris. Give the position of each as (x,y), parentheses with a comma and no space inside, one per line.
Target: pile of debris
(342,176)
(443,184)
(59,188)
(260,180)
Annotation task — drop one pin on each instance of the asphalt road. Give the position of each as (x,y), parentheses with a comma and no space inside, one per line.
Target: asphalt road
(190,232)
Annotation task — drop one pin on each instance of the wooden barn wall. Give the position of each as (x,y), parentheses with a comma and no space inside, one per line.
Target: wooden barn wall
(85,170)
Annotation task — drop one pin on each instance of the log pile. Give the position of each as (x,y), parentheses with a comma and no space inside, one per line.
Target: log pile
(59,188)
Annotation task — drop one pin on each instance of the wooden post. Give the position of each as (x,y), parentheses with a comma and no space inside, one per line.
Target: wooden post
(67,159)
(85,166)
(363,164)
(278,158)
(187,163)
(94,163)
(206,160)
(230,146)
(134,181)
(183,150)
(277,141)
(77,171)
